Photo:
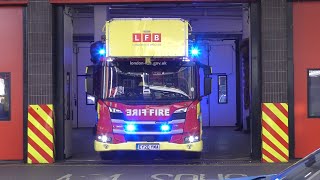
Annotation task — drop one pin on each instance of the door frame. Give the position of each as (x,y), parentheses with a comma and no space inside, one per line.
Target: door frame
(256,86)
(290,80)
(58,89)
(256,80)
(25,86)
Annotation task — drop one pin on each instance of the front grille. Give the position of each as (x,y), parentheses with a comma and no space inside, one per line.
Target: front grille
(173,116)
(117,115)
(178,116)
(148,138)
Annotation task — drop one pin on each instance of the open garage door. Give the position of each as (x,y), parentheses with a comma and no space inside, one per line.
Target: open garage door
(216,20)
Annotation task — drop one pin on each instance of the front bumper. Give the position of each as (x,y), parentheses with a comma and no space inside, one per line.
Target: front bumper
(164,146)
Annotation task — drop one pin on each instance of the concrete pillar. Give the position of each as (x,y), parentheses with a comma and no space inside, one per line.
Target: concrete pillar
(101,14)
(40,59)
(274,51)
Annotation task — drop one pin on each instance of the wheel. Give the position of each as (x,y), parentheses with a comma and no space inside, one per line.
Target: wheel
(106,155)
(94,130)
(194,155)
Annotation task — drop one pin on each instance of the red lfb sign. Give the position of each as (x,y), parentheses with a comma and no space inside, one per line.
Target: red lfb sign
(13,2)
(141,1)
(146,37)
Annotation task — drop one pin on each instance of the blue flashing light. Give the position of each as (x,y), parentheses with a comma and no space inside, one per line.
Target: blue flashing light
(97,51)
(130,127)
(195,51)
(165,127)
(102,52)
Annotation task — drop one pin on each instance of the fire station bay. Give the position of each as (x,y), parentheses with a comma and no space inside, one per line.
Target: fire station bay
(194,89)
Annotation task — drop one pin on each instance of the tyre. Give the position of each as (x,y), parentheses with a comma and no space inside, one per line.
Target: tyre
(106,155)
(194,155)
(94,130)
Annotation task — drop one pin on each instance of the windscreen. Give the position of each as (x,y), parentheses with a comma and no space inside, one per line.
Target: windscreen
(160,80)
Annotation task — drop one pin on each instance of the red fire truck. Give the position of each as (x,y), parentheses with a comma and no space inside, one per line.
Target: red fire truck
(147,96)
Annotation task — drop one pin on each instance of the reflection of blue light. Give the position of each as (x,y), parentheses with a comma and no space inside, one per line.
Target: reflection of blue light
(130,127)
(102,51)
(165,127)
(195,51)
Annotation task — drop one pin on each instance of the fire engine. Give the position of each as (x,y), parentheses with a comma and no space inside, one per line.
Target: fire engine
(148,84)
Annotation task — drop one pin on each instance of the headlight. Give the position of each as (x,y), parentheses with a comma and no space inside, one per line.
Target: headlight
(104,138)
(165,127)
(130,127)
(182,110)
(191,139)
(114,110)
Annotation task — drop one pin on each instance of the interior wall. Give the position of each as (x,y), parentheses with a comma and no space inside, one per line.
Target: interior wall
(223,62)
(83,25)
(86,112)
(226,19)
(220,55)
(225,26)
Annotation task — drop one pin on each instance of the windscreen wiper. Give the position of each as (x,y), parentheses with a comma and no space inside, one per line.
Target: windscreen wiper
(163,88)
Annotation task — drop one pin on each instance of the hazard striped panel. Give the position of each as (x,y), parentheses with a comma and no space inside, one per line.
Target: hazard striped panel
(275,138)
(40,134)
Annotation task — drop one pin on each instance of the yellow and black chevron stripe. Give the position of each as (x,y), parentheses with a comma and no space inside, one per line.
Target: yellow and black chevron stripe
(40,134)
(275,138)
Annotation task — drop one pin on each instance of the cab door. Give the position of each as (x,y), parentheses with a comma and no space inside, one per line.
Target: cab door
(11,83)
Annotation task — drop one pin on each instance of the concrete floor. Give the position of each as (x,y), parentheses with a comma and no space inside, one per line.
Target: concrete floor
(226,155)
(220,143)
(225,143)
(81,171)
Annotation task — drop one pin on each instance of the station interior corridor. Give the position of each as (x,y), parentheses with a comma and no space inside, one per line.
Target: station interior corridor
(220,143)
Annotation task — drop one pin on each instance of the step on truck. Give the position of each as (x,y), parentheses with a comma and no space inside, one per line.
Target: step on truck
(148,82)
